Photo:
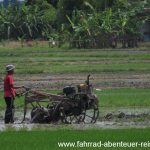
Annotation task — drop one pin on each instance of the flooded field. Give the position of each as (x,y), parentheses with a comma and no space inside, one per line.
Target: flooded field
(121,76)
(111,118)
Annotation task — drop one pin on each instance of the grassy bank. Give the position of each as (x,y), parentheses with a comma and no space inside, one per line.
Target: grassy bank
(46,60)
(37,140)
(124,97)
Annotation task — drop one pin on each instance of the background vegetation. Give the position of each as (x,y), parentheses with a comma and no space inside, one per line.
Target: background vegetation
(84,23)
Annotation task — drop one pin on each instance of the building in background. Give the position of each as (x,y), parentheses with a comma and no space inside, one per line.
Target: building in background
(12,2)
(145,28)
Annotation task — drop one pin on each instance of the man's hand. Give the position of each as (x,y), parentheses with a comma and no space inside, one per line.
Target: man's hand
(17,95)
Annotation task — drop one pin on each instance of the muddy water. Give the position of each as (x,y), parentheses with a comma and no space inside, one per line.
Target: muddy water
(112,118)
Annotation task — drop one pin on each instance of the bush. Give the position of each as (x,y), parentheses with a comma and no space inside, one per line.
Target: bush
(104,29)
(27,21)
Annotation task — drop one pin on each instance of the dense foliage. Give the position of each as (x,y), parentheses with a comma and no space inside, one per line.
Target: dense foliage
(30,22)
(85,23)
(101,29)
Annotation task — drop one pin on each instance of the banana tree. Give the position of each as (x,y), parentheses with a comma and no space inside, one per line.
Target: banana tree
(7,21)
(94,30)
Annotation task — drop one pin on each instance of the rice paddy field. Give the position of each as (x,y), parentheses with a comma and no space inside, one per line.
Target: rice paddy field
(121,79)
(45,140)
(38,61)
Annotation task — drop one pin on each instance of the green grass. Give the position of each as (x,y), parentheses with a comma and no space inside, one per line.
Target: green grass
(37,68)
(108,98)
(44,60)
(40,60)
(48,140)
(124,97)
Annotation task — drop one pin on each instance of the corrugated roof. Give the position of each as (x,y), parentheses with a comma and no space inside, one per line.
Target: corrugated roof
(147,9)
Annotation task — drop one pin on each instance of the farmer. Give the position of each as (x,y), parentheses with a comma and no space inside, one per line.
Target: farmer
(9,94)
